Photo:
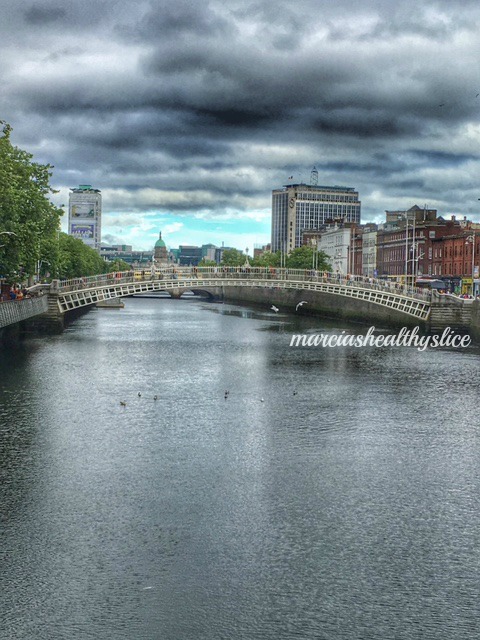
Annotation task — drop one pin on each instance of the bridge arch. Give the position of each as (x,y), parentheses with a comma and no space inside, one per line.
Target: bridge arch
(355,298)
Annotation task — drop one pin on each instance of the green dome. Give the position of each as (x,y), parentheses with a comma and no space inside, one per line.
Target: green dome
(160,243)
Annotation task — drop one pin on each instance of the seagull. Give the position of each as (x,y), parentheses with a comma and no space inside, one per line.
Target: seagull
(300,304)
(139,394)
(274,308)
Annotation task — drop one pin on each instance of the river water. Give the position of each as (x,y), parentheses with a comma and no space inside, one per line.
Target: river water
(334,494)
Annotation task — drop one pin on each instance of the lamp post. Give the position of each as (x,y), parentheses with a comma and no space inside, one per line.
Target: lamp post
(7,233)
(39,266)
(419,257)
(471,239)
(412,249)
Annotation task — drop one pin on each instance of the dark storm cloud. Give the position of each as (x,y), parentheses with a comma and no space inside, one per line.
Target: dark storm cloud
(178,20)
(40,14)
(229,98)
(443,159)
(365,124)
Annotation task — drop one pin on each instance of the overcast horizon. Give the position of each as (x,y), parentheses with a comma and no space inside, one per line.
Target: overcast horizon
(187,115)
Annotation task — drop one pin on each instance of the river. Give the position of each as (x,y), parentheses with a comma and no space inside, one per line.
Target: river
(335,493)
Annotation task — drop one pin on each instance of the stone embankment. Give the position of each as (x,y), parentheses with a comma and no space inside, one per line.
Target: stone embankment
(475,321)
(318,303)
(449,311)
(14,314)
(15,311)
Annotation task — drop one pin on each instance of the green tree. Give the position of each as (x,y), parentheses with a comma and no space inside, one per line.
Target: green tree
(207,263)
(116,265)
(304,258)
(233,258)
(76,259)
(267,259)
(25,210)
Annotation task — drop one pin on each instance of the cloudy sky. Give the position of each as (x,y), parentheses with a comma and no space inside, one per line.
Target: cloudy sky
(187,114)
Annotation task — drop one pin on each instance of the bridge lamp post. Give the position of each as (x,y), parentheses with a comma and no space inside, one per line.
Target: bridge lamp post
(471,240)
(39,266)
(419,257)
(283,256)
(247,263)
(414,260)
(314,254)
(411,248)
(338,261)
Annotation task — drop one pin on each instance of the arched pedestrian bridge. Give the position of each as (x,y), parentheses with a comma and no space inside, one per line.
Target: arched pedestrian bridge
(411,303)
(351,297)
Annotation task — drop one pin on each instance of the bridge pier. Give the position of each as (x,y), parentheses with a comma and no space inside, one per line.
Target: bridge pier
(175,293)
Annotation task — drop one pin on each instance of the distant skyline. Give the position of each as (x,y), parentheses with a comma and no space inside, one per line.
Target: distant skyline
(187,115)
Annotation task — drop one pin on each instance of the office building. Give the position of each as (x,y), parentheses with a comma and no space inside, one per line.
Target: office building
(85,215)
(297,208)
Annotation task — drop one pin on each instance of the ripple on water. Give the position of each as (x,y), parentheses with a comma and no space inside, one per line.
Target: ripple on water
(348,509)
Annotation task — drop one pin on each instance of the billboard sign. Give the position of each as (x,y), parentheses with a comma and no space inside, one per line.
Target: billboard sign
(84,210)
(83,231)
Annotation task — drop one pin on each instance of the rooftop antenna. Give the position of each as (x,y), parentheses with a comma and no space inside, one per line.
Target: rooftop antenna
(314,177)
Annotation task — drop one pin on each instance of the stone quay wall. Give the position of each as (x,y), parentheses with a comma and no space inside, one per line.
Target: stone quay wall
(475,321)
(318,303)
(448,311)
(15,311)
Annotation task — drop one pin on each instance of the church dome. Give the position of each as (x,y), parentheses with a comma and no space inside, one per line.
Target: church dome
(160,244)
(160,253)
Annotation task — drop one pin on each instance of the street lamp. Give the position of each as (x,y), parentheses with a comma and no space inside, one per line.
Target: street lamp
(412,248)
(314,252)
(7,233)
(471,239)
(39,266)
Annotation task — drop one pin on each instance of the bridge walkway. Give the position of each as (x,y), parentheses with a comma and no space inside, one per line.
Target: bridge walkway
(83,291)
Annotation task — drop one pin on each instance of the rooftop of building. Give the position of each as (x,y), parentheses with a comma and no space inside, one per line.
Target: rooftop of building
(84,187)
(315,187)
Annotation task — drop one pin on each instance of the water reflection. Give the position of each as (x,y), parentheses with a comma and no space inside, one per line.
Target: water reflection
(347,509)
